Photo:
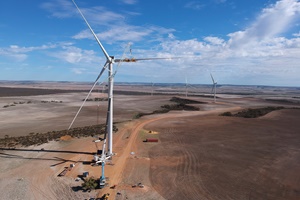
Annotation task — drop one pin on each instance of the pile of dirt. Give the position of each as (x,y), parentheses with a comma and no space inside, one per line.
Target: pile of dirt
(65,138)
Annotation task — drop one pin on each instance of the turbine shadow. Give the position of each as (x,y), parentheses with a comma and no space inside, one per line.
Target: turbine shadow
(44,150)
(62,161)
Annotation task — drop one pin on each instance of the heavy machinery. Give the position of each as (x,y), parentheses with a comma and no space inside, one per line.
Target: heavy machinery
(102,160)
(102,180)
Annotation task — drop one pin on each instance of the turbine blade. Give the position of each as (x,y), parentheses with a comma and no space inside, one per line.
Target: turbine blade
(192,86)
(95,36)
(212,89)
(186,86)
(212,78)
(103,69)
(123,56)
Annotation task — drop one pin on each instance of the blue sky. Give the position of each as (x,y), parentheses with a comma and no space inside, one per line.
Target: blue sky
(238,41)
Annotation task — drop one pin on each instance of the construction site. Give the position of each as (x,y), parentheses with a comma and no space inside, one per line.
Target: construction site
(144,140)
(199,153)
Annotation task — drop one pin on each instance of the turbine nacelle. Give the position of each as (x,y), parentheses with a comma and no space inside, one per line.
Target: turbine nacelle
(126,60)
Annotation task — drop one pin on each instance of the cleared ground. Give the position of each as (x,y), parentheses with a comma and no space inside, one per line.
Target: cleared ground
(200,155)
(227,158)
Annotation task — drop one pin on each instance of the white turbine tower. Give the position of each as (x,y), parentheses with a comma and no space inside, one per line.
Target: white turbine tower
(110,60)
(214,87)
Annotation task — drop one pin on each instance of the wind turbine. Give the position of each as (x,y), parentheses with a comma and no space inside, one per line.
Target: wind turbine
(152,85)
(213,89)
(110,60)
(186,87)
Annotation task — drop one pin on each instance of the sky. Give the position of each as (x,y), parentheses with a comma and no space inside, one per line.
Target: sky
(239,42)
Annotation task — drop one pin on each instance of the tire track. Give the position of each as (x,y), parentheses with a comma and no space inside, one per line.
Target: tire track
(131,146)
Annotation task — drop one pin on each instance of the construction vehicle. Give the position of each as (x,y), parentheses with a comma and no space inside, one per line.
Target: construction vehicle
(102,159)
(102,181)
(105,196)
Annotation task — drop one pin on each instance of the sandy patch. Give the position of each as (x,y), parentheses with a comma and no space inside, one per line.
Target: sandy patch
(65,138)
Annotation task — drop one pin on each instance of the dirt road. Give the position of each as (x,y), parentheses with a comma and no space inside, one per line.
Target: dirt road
(124,145)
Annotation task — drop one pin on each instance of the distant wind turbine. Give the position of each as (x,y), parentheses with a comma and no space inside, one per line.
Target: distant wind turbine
(152,85)
(186,87)
(214,87)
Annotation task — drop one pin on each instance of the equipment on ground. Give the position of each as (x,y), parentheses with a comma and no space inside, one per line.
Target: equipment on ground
(105,196)
(102,180)
(113,187)
(151,140)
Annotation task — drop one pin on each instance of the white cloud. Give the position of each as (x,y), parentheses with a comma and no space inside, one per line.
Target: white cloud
(259,49)
(15,56)
(17,49)
(195,5)
(297,34)
(68,53)
(214,40)
(171,36)
(187,47)
(78,70)
(126,33)
(131,2)
(101,16)
(74,55)
(217,48)
(59,8)
(272,22)
(21,53)
(97,15)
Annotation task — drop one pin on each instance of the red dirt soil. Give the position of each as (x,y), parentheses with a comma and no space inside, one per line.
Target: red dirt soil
(200,155)
(227,158)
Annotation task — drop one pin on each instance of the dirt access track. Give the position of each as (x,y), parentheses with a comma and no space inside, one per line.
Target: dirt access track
(200,155)
(221,158)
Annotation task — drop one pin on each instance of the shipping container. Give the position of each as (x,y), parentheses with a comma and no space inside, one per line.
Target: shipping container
(151,140)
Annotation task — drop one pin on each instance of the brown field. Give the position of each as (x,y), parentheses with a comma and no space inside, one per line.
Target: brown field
(200,155)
